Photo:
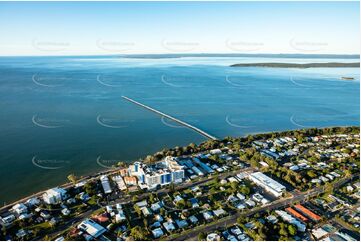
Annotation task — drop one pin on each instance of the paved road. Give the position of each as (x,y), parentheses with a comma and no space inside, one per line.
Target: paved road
(230,220)
(128,198)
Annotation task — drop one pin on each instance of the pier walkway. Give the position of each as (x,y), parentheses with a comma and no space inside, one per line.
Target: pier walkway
(205,134)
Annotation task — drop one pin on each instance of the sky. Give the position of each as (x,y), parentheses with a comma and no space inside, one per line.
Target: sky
(102,28)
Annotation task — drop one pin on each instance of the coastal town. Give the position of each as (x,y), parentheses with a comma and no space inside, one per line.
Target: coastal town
(292,185)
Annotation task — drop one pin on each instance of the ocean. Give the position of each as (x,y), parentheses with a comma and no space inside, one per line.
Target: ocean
(63,115)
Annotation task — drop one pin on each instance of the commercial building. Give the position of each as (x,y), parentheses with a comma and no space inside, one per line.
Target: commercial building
(267,183)
(205,167)
(307,212)
(297,214)
(54,195)
(161,173)
(105,184)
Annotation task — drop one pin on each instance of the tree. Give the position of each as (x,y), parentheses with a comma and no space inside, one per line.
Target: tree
(292,229)
(234,185)
(245,190)
(151,198)
(181,204)
(4,230)
(137,233)
(137,210)
(283,231)
(201,236)
(89,188)
(72,178)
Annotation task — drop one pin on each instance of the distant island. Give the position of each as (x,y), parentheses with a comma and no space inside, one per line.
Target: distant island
(296,65)
(347,78)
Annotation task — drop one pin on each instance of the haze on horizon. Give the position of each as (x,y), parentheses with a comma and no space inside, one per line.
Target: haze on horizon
(103,28)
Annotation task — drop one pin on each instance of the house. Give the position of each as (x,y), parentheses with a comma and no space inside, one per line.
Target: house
(53,221)
(7,220)
(54,195)
(219,212)
(213,237)
(240,206)
(181,223)
(92,228)
(193,219)
(156,206)
(33,202)
(84,196)
(257,197)
(194,202)
(236,231)
(45,214)
(177,199)
(119,217)
(250,203)
(65,211)
(101,218)
(215,151)
(272,219)
(146,211)
(207,215)
(142,203)
(20,208)
(109,208)
(157,233)
(25,216)
(169,226)
(21,233)
(319,233)
(155,225)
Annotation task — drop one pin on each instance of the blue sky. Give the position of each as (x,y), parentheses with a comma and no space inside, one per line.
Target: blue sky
(85,28)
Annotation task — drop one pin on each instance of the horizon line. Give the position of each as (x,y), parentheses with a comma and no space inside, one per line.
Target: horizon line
(184,54)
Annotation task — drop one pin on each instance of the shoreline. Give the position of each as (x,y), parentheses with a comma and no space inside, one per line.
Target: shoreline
(93,176)
(300,66)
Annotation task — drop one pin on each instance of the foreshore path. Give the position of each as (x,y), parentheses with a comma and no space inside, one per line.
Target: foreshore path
(205,134)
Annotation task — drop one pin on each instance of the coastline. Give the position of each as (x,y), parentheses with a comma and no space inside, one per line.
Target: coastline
(300,66)
(94,176)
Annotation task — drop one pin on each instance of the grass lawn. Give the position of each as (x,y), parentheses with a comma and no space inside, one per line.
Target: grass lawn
(43,226)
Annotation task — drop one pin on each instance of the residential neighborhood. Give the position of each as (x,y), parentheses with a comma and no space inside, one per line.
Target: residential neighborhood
(294,186)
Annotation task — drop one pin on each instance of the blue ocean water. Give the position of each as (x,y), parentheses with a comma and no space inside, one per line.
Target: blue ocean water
(62,115)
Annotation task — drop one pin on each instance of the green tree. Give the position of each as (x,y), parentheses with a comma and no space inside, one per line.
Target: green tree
(292,230)
(201,236)
(138,233)
(72,178)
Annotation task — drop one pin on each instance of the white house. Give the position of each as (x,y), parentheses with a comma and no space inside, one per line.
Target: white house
(20,208)
(92,228)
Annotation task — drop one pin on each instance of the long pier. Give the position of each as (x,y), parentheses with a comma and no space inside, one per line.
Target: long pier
(205,134)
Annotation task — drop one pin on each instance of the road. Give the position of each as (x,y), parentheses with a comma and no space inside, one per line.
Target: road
(230,220)
(128,198)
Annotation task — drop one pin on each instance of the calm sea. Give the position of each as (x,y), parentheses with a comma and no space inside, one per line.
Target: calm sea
(62,115)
